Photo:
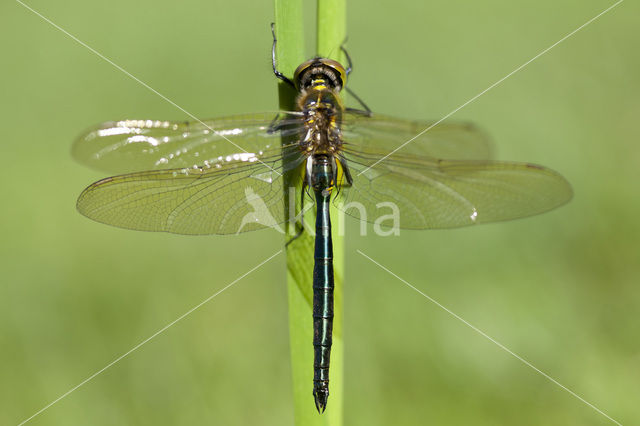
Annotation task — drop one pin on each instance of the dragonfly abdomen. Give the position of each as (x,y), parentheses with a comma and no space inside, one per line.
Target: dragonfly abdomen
(322,179)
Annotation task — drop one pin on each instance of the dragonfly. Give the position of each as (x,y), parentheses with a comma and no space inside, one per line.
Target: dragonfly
(226,176)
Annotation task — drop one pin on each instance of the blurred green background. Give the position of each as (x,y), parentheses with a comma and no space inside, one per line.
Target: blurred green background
(561,289)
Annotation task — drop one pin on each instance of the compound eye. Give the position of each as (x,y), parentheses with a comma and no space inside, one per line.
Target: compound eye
(299,73)
(324,67)
(340,71)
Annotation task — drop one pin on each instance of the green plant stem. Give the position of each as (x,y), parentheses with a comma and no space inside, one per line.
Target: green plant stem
(331,33)
(289,54)
(332,28)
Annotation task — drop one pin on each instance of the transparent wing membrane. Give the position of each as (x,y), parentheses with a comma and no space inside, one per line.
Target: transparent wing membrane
(189,179)
(127,146)
(237,197)
(431,194)
(447,140)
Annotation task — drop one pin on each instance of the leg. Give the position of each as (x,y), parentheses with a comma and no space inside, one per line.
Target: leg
(367,110)
(349,63)
(273,59)
(348,71)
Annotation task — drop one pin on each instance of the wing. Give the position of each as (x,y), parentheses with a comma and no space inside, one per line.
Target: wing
(240,195)
(428,192)
(134,145)
(445,140)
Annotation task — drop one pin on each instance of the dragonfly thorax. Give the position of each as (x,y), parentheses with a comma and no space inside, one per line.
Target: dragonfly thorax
(319,82)
(322,113)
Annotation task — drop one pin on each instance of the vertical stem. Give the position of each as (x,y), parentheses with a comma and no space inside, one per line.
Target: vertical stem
(290,48)
(289,54)
(331,33)
(332,28)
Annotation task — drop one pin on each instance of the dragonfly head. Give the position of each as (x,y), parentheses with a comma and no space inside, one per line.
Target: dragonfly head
(321,72)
